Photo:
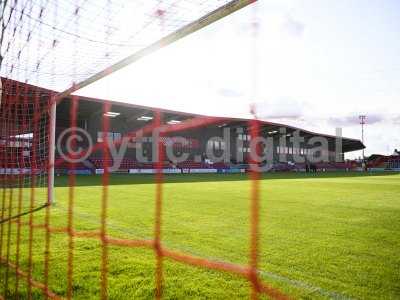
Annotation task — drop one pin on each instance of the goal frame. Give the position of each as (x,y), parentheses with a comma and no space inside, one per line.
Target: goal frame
(186,30)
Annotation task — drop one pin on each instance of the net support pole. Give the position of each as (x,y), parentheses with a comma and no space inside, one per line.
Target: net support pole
(52,150)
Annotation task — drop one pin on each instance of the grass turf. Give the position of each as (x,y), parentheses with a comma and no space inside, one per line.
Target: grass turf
(332,235)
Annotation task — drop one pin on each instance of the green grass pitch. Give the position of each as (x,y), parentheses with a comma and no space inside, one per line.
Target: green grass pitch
(332,235)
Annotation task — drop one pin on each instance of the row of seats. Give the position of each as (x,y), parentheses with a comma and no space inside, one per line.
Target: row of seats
(127,163)
(320,166)
(62,164)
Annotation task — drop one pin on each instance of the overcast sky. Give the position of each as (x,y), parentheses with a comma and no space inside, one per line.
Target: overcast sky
(313,64)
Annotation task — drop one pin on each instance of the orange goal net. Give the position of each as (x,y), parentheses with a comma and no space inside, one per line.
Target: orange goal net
(50,50)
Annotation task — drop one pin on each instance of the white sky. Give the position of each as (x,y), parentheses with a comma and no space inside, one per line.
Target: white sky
(313,64)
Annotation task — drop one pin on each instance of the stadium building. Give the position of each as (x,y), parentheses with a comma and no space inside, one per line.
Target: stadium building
(125,118)
(198,143)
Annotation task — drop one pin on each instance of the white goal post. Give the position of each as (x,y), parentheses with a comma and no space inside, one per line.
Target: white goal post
(52,153)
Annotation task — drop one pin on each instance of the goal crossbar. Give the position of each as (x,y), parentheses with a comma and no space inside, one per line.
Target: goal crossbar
(186,30)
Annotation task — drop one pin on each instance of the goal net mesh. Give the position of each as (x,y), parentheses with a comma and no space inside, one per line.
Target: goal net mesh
(48,50)
(23,143)
(54,44)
